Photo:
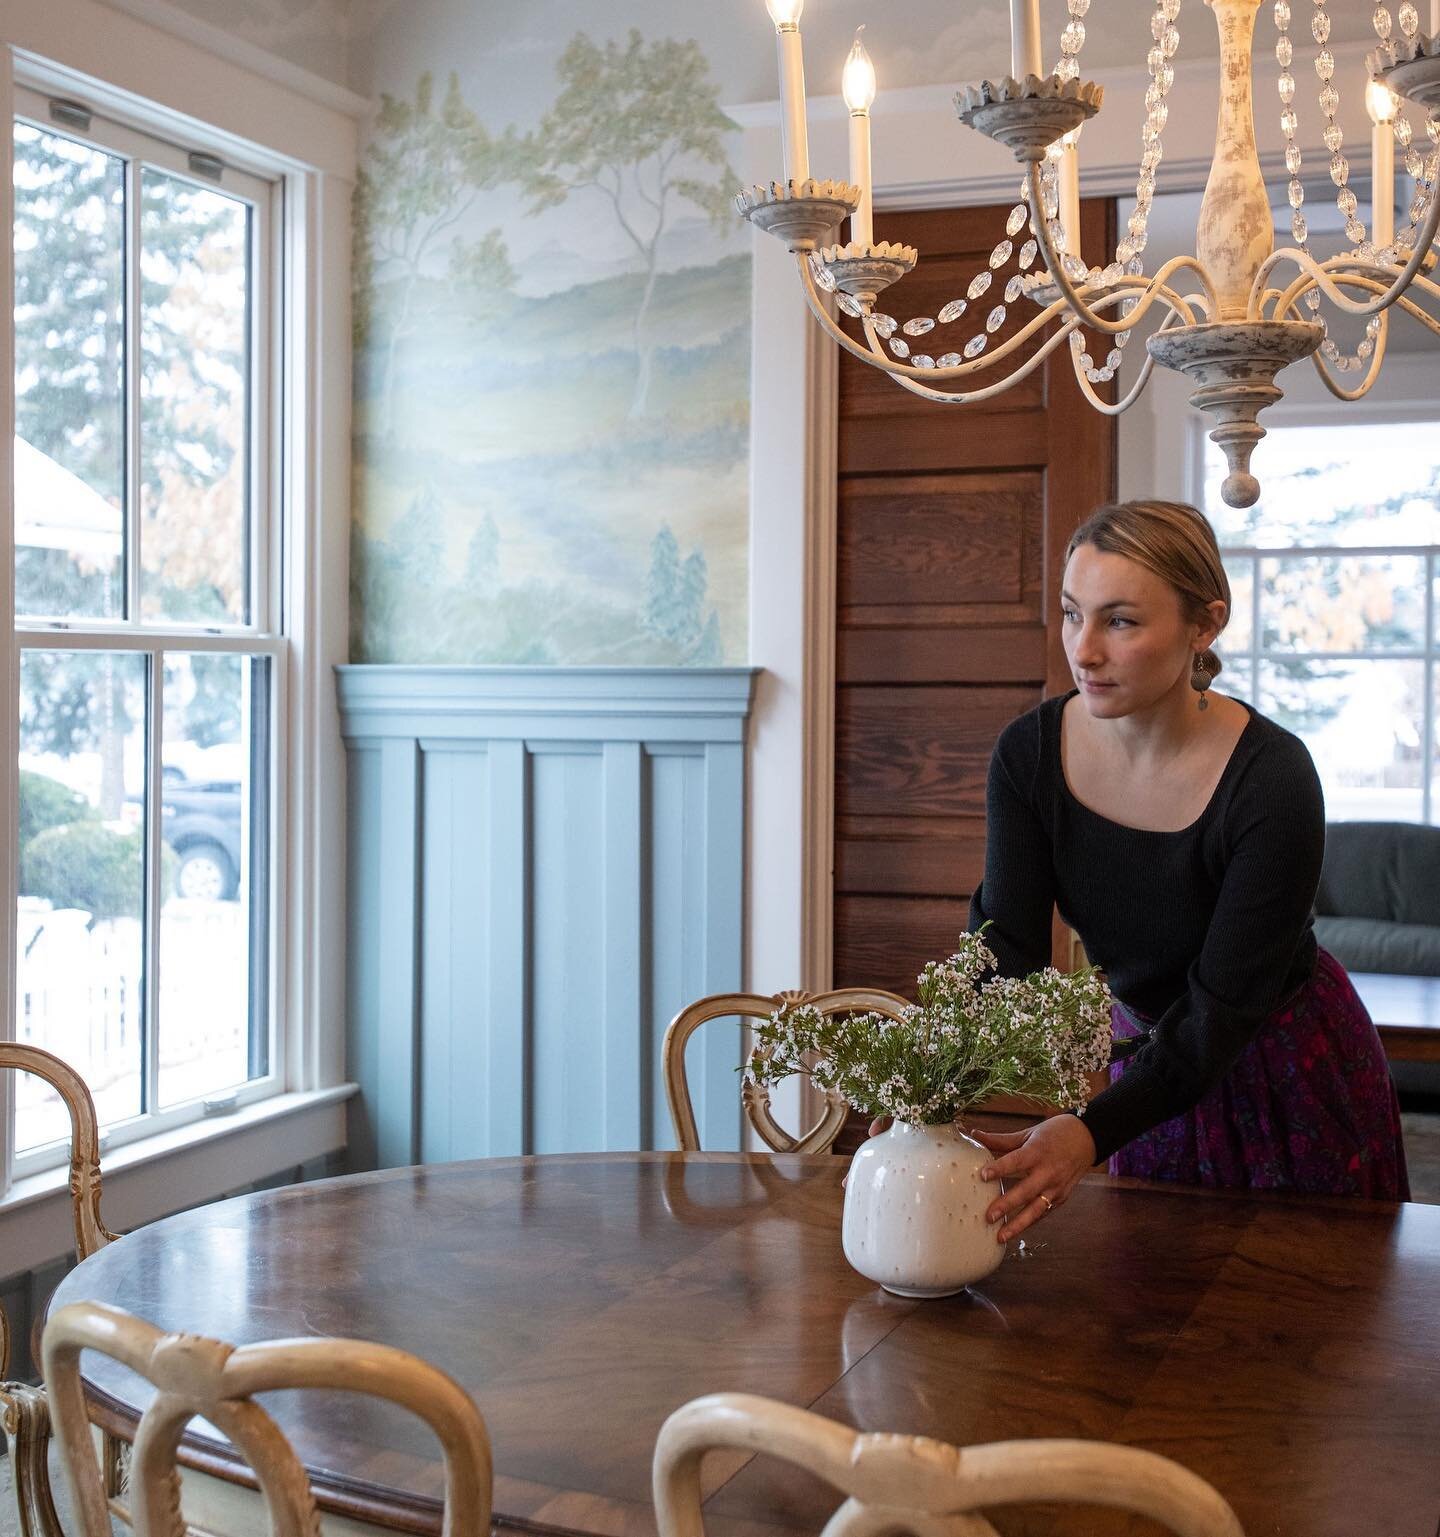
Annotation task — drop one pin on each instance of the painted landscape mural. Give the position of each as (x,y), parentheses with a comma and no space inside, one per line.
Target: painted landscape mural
(552,359)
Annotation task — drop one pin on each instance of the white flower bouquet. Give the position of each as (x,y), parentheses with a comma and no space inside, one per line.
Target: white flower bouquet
(966,1040)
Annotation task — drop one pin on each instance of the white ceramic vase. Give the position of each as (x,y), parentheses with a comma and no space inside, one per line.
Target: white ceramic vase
(915,1211)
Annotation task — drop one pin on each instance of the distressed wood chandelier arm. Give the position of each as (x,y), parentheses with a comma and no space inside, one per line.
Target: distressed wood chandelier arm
(989,391)
(1105,407)
(909,377)
(1372,373)
(1069,326)
(1388,290)
(1359,274)
(874,354)
(1329,275)
(906,374)
(1156,288)
(1361,280)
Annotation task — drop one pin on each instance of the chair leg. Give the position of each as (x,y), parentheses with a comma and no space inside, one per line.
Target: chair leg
(27,1433)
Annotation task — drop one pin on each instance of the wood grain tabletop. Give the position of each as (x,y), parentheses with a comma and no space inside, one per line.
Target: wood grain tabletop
(1284,1348)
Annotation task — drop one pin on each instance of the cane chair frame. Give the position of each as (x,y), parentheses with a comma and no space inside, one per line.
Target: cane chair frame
(755,1097)
(898,1483)
(196,1376)
(23,1411)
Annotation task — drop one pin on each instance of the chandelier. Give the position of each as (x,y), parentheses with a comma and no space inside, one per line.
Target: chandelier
(1229,317)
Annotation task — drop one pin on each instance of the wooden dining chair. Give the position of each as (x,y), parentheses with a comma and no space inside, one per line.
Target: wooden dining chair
(194,1376)
(755,1098)
(22,1405)
(896,1483)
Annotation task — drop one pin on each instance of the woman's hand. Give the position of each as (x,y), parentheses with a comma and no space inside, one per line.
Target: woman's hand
(1040,1165)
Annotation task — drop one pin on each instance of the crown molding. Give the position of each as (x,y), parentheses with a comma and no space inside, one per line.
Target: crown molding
(259,61)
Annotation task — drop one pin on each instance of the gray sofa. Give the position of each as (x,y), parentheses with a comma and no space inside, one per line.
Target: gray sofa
(1378,907)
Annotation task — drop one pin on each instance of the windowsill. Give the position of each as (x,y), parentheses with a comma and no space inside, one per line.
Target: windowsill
(165,1144)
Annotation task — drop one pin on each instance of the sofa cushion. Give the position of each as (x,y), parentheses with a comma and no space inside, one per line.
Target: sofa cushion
(1373,944)
(1381,870)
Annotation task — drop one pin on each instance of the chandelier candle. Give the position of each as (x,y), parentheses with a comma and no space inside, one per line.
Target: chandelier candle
(786,16)
(1025,38)
(1382,105)
(858,88)
(1070,190)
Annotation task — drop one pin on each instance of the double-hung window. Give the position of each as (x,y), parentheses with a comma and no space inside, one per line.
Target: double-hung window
(148,624)
(1335,575)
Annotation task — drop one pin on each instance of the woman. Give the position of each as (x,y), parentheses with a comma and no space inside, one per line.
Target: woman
(1181,834)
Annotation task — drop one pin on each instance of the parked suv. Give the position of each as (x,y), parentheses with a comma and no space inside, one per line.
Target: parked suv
(201,823)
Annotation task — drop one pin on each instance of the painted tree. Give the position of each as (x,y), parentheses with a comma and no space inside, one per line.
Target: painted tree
(482,559)
(425,169)
(662,583)
(641,127)
(674,609)
(417,540)
(694,578)
(709,649)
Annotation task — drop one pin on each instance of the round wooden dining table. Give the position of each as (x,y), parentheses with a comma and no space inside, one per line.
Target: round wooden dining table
(1284,1349)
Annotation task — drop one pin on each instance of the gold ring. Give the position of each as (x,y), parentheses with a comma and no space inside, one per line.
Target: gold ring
(1049,1204)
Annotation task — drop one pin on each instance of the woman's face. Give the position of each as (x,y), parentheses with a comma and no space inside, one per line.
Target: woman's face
(1126,637)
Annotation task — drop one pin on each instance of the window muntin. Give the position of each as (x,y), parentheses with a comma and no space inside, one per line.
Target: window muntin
(158,570)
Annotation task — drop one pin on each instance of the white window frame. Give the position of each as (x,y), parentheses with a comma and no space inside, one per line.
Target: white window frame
(279,125)
(262,635)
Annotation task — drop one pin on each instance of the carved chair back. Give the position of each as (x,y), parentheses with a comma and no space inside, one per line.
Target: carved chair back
(896,1483)
(756,1099)
(90,1232)
(197,1376)
(22,1407)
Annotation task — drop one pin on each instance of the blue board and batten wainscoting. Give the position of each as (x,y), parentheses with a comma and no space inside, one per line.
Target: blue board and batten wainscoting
(545,865)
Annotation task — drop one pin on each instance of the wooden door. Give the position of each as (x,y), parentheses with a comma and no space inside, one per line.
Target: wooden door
(952,526)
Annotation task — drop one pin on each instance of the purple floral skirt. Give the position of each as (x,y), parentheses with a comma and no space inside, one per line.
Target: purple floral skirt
(1309,1106)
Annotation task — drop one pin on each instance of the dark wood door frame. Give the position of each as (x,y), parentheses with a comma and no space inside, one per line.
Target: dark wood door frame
(951,525)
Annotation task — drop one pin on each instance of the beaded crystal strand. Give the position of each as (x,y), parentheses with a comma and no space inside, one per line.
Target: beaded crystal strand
(1423,169)
(1334,138)
(1072,39)
(1129,250)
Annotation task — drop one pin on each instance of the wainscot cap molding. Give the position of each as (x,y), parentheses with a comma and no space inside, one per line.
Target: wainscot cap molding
(677,704)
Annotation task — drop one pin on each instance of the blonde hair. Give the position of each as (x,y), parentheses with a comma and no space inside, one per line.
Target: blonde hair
(1172,539)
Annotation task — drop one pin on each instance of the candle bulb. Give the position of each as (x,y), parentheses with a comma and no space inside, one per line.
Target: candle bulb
(858,88)
(786,16)
(1025,38)
(1382,105)
(1070,190)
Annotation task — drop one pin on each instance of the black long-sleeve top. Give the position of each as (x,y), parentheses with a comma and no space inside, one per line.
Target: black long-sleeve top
(1204,931)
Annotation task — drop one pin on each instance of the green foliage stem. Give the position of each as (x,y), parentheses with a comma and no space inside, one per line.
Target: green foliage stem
(966,1041)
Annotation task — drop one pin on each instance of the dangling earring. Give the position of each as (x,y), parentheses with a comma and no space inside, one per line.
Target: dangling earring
(1200,678)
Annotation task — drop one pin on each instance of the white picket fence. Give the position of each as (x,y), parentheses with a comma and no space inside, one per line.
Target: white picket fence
(80,994)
